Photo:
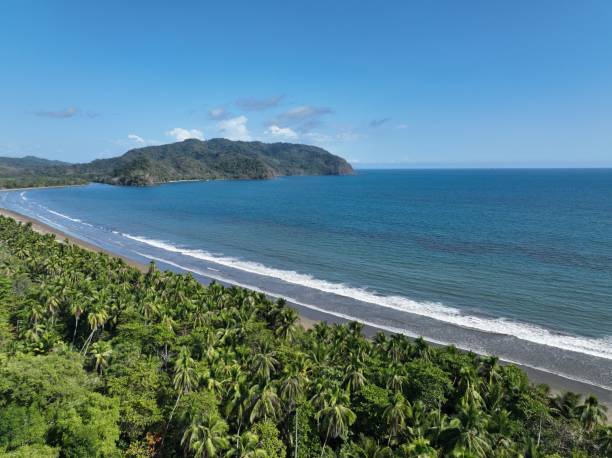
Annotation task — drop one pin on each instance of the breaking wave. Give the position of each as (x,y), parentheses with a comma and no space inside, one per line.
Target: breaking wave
(601,348)
(344,316)
(61,215)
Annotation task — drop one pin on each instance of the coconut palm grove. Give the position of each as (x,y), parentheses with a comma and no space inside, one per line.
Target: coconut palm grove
(101,359)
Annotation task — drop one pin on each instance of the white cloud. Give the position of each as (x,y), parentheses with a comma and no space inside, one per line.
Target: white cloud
(281,132)
(402,126)
(379,122)
(333,138)
(181,134)
(235,128)
(305,111)
(69,112)
(304,118)
(255,104)
(137,138)
(218,113)
(318,138)
(349,136)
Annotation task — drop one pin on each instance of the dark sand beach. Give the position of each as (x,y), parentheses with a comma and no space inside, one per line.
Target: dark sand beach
(309,317)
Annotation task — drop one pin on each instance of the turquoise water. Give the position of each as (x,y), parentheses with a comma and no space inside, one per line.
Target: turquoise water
(513,262)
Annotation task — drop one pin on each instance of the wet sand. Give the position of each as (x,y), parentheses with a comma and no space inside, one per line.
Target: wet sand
(309,318)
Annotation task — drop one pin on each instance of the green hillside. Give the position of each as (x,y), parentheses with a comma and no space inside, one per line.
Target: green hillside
(30,171)
(188,160)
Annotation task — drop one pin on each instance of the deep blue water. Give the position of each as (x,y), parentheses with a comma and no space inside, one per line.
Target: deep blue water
(486,259)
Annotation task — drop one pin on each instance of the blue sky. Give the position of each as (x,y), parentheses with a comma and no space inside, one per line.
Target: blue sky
(401,83)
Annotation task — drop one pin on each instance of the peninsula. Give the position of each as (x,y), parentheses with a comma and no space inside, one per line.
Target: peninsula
(191,159)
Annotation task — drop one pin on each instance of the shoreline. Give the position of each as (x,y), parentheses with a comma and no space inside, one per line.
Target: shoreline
(43,228)
(41,187)
(308,318)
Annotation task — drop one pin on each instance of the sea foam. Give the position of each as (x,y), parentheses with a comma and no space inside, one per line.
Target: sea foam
(61,215)
(601,348)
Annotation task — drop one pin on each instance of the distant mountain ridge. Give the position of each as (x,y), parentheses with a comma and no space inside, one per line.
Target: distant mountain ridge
(27,162)
(191,159)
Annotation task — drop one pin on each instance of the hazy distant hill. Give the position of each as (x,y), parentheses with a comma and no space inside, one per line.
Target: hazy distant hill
(30,171)
(188,160)
(8,164)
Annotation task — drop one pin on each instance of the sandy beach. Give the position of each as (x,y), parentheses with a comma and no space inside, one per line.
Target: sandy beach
(308,317)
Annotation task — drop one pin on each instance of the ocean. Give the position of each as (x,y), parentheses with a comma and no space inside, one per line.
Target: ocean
(516,263)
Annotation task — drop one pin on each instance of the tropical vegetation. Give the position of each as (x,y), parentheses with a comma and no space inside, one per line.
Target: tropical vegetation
(98,358)
(191,159)
(31,172)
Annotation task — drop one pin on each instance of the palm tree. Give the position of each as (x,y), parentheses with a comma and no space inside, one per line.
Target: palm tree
(419,421)
(76,309)
(592,413)
(96,319)
(235,395)
(213,384)
(502,428)
(150,307)
(396,347)
(369,448)
(491,370)
(215,293)
(185,377)
(395,416)
(396,378)
(265,403)
(354,378)
(264,364)
(462,452)
(247,446)
(319,353)
(37,312)
(380,339)
(532,450)
(50,297)
(206,436)
(421,349)
(467,431)
(34,333)
(199,315)
(418,448)
(566,404)
(335,417)
(292,389)
(101,352)
(604,441)
(430,424)
(184,373)
(355,328)
(321,331)
(285,323)
(469,386)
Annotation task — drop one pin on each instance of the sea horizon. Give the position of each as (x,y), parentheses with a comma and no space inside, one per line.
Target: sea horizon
(357,168)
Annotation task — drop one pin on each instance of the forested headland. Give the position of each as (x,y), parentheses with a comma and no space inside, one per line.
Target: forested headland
(191,159)
(98,358)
